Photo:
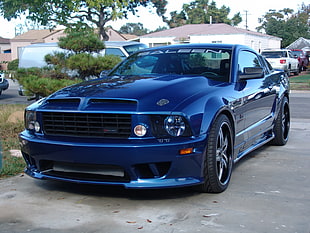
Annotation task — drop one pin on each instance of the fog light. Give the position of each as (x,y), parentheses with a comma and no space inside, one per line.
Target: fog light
(140,130)
(37,126)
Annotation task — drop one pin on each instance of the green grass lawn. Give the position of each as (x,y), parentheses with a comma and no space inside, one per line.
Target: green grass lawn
(10,126)
(301,82)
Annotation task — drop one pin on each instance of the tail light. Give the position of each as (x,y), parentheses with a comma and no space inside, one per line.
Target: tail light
(282,61)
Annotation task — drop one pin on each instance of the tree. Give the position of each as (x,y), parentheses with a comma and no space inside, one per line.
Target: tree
(201,12)
(134,29)
(83,46)
(286,24)
(69,12)
(80,60)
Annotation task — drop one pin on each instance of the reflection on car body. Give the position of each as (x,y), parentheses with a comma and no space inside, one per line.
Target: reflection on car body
(165,117)
(282,59)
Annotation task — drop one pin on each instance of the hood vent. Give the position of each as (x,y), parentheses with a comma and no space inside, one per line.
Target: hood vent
(112,104)
(62,103)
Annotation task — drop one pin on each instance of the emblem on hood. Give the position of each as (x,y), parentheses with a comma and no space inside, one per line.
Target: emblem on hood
(162,102)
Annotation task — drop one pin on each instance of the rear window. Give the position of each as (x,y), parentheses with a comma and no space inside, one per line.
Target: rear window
(274,54)
(130,49)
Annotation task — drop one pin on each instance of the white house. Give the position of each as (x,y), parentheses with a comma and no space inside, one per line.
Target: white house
(211,33)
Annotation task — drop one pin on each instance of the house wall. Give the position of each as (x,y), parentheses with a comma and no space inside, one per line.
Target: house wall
(4,47)
(4,59)
(258,43)
(274,43)
(158,41)
(221,39)
(16,45)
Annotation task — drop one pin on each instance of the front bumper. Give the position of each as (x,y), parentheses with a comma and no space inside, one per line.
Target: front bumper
(280,66)
(130,163)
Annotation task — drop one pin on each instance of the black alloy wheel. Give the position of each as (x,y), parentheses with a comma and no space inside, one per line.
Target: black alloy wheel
(218,160)
(282,124)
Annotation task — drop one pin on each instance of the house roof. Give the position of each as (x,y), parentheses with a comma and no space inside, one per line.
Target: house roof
(34,35)
(4,40)
(188,30)
(300,43)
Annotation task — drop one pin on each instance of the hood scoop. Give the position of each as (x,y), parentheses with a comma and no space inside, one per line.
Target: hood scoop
(111,104)
(68,103)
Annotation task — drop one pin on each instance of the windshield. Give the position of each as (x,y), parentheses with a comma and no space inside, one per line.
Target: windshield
(297,53)
(212,63)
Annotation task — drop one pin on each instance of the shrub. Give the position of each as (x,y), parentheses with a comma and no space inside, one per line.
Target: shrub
(42,82)
(89,65)
(13,65)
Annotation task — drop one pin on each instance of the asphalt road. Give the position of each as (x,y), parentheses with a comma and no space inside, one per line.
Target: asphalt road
(11,96)
(268,193)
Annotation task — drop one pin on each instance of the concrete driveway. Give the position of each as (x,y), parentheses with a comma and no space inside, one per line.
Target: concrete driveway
(269,192)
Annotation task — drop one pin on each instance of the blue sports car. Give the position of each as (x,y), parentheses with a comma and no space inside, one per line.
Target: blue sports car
(165,117)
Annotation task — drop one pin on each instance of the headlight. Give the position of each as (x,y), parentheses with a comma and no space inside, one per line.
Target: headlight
(175,125)
(30,121)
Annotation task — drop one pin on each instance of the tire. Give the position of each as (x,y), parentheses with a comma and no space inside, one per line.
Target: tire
(297,71)
(218,157)
(282,124)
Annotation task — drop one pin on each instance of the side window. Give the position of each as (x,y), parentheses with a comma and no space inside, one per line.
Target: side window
(247,59)
(290,55)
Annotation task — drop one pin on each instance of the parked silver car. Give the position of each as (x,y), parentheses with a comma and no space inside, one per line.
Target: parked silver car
(282,59)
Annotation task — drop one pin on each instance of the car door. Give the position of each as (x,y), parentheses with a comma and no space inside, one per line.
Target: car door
(259,98)
(293,61)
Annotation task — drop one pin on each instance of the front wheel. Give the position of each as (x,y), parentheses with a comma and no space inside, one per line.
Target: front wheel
(282,124)
(218,159)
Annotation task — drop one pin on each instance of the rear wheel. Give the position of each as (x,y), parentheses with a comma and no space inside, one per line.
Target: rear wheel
(297,71)
(282,124)
(218,157)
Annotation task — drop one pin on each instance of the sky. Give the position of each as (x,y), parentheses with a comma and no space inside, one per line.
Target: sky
(151,21)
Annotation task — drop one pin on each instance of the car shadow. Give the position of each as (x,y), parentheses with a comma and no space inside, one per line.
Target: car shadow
(252,155)
(115,191)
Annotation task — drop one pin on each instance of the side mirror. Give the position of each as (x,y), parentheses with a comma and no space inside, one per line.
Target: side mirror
(251,73)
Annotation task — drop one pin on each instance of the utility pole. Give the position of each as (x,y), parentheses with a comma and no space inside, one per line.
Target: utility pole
(246,19)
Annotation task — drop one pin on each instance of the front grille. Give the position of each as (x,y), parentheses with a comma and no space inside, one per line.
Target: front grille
(87,124)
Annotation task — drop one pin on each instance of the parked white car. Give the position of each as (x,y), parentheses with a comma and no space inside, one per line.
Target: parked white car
(282,59)
(33,55)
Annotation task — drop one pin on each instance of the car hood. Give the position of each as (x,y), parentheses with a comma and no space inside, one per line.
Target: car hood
(142,93)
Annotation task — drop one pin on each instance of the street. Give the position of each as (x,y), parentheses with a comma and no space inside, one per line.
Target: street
(11,96)
(269,192)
